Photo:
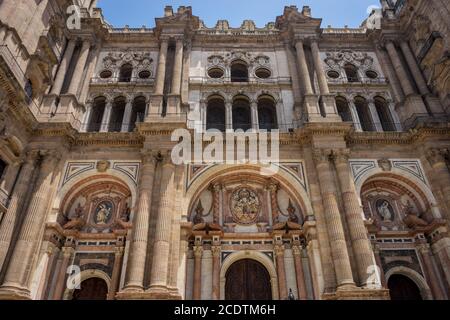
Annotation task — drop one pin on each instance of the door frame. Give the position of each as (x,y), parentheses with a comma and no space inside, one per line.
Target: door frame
(86,275)
(420,282)
(252,255)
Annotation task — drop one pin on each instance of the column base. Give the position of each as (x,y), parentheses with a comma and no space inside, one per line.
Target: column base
(358,294)
(434,105)
(329,105)
(311,109)
(14,293)
(412,112)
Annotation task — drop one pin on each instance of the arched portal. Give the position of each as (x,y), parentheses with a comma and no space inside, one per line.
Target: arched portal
(91,289)
(403,288)
(247,279)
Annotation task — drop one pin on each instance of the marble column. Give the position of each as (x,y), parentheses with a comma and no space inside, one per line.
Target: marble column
(281,272)
(431,275)
(63,67)
(323,82)
(229,115)
(254,113)
(139,242)
(355,116)
(160,77)
(106,116)
(161,248)
(90,73)
(20,268)
(415,71)
(87,117)
(436,157)
(402,75)
(178,67)
(216,252)
(126,122)
(197,290)
(304,72)
(115,278)
(335,228)
(16,204)
(362,249)
(67,254)
(300,274)
(390,72)
(79,68)
(374,115)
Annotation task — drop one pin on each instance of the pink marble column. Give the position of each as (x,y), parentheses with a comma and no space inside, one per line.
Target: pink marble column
(281,272)
(197,291)
(433,280)
(115,278)
(216,251)
(67,254)
(300,274)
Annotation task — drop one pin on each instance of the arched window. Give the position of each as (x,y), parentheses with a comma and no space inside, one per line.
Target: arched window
(362,108)
(344,109)
(215,114)
(384,114)
(267,114)
(98,109)
(126,72)
(239,71)
(138,112)
(117,112)
(3,166)
(351,72)
(242,118)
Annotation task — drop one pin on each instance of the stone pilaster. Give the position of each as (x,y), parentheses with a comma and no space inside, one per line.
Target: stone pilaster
(333,220)
(17,279)
(138,248)
(362,249)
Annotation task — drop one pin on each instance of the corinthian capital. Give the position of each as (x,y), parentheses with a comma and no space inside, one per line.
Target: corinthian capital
(340,156)
(322,156)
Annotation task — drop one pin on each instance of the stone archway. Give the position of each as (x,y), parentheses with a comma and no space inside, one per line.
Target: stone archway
(247,279)
(257,257)
(91,289)
(403,288)
(419,281)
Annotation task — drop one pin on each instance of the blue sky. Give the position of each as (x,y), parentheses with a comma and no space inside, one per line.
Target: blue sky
(136,13)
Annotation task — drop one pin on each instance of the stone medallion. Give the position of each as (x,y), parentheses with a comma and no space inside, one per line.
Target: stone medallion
(245,206)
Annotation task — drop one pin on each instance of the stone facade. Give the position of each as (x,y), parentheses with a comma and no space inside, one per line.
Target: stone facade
(88,191)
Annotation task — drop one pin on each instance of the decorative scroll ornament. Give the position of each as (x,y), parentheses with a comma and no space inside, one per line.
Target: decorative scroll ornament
(245,206)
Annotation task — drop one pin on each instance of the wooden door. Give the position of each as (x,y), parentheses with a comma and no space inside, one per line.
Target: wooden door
(91,289)
(403,288)
(248,280)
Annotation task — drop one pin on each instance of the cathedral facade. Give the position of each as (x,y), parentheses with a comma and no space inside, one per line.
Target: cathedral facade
(93,206)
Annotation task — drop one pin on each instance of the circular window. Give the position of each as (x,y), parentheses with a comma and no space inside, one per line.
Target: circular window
(371,74)
(333,74)
(215,73)
(145,74)
(263,73)
(106,74)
